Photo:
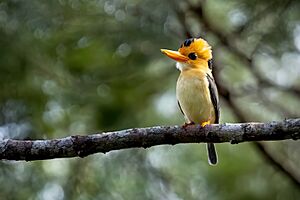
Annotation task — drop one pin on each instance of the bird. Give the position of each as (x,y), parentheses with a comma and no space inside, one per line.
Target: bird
(196,90)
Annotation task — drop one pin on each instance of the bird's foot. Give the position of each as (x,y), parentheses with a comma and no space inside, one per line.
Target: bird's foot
(187,124)
(205,123)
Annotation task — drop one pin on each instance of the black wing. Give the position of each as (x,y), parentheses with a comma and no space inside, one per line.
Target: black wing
(210,64)
(214,97)
(180,108)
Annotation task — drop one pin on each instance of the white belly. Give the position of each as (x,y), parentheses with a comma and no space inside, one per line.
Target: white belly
(194,98)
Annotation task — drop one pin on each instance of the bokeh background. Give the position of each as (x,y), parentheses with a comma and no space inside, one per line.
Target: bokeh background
(79,66)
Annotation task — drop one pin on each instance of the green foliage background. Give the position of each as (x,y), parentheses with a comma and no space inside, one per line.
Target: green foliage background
(77,67)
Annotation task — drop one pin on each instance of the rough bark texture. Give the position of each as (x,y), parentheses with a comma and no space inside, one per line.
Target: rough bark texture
(82,146)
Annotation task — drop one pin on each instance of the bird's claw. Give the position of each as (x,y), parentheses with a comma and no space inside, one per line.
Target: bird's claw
(205,123)
(185,125)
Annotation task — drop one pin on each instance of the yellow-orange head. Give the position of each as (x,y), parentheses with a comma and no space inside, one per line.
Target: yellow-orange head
(193,53)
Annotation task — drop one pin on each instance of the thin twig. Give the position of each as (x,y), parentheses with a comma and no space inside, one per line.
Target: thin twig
(280,164)
(226,40)
(227,96)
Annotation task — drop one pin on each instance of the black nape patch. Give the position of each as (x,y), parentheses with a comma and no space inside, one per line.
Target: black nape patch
(210,64)
(188,42)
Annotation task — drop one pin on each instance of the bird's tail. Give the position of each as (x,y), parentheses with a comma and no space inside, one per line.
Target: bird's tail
(212,154)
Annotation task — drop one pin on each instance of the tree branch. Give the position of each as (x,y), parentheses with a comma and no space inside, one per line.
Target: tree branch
(224,92)
(82,146)
(280,164)
(226,40)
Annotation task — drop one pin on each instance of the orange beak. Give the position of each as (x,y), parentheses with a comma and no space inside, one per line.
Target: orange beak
(175,55)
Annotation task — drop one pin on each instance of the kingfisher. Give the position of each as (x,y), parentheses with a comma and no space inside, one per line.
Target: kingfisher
(196,90)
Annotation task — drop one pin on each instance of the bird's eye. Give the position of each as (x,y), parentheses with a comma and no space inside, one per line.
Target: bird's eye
(192,56)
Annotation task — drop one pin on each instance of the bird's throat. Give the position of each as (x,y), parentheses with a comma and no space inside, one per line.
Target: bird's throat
(183,66)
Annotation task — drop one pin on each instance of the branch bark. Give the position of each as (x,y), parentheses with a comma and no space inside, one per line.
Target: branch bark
(82,146)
